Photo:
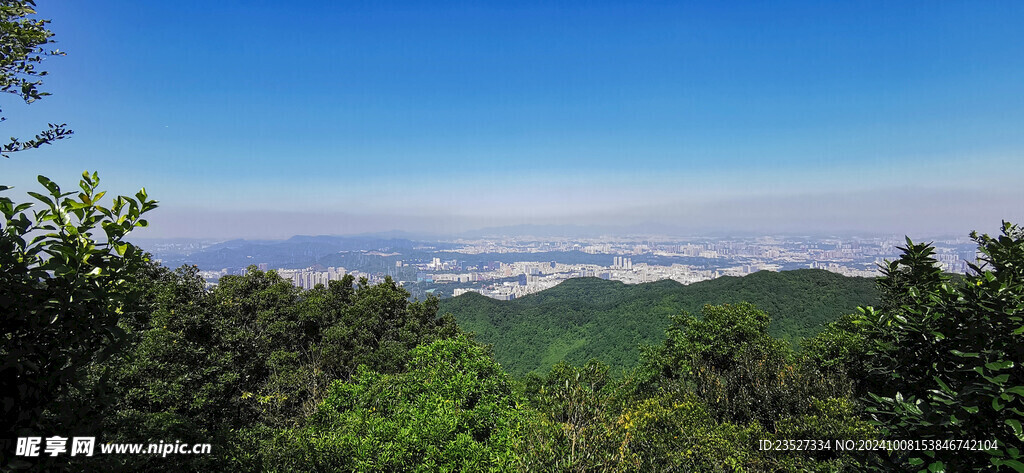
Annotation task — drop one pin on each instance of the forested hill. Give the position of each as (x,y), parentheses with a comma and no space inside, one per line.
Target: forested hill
(589,318)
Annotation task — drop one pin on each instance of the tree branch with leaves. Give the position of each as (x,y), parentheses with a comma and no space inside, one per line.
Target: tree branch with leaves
(24,45)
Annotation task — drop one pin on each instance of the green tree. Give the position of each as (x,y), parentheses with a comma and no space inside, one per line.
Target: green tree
(572,429)
(62,292)
(728,358)
(950,355)
(255,354)
(452,410)
(66,272)
(749,380)
(841,351)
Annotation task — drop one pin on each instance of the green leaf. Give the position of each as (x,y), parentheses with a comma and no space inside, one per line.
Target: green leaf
(1016,465)
(1015,425)
(999,365)
(48,184)
(41,197)
(943,385)
(964,355)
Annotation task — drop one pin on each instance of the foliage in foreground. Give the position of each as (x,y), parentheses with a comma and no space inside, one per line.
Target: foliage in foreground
(62,291)
(453,409)
(699,402)
(946,359)
(254,352)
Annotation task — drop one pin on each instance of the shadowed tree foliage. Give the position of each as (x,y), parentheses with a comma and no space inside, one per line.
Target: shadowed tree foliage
(253,351)
(65,270)
(728,359)
(63,289)
(948,356)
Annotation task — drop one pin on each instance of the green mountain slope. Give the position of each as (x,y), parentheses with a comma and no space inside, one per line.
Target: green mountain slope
(589,318)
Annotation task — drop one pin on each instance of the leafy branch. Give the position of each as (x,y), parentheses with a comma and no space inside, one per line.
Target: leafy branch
(24,44)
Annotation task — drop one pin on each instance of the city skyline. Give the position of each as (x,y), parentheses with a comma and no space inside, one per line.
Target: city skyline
(508,267)
(259,120)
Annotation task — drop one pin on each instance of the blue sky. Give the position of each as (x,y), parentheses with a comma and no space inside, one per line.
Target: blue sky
(265,119)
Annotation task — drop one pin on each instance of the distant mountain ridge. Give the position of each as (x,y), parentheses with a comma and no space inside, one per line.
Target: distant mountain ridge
(297,251)
(588,318)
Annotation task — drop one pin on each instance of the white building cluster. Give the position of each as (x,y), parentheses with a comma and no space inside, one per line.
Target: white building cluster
(308,278)
(845,270)
(538,276)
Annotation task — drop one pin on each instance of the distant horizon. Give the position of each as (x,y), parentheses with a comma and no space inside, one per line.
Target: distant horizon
(552,232)
(891,213)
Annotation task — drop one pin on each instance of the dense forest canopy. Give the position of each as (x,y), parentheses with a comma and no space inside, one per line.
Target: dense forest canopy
(589,318)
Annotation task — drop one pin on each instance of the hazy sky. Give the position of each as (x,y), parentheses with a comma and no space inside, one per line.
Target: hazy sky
(264,119)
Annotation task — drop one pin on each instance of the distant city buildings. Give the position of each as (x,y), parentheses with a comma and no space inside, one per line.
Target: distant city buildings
(854,257)
(308,278)
(528,266)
